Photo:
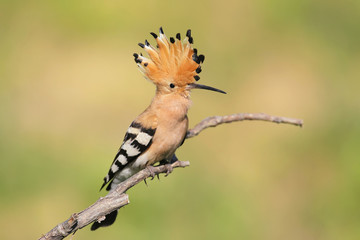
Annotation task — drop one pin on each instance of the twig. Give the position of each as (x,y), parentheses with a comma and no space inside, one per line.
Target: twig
(217,120)
(117,199)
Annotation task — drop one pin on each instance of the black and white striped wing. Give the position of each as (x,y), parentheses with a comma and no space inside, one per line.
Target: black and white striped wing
(137,140)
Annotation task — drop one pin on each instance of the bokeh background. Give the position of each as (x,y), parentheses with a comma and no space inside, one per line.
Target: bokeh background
(69,88)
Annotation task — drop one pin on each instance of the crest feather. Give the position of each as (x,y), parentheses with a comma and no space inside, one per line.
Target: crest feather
(173,60)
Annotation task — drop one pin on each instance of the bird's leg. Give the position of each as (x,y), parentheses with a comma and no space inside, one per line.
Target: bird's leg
(174,159)
(162,162)
(165,163)
(168,166)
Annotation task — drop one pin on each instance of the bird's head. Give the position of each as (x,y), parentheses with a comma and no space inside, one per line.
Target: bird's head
(173,66)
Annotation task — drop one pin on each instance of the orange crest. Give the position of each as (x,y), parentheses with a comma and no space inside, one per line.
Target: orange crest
(171,61)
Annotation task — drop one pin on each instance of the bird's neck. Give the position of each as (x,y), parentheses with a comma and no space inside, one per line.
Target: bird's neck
(173,105)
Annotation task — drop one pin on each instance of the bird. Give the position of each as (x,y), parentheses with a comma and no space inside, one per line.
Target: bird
(173,65)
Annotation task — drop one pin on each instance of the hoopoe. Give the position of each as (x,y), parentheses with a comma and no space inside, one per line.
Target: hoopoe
(173,66)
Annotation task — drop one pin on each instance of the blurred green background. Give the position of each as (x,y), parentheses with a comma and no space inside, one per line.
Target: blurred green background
(69,88)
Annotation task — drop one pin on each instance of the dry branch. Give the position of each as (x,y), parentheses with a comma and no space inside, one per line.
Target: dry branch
(117,199)
(105,205)
(217,120)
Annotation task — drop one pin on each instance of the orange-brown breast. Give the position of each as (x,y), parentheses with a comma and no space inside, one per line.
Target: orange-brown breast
(168,114)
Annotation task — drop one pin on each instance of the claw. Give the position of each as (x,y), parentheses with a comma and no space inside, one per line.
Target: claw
(169,169)
(151,171)
(145,182)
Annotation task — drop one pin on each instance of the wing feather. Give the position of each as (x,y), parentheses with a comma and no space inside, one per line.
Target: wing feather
(136,141)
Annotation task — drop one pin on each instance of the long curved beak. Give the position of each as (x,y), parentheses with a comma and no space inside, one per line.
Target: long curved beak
(200,86)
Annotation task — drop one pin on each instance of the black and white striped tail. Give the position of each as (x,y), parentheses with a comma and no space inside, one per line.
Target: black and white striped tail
(137,140)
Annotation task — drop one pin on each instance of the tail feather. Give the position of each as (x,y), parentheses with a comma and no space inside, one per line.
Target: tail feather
(109,220)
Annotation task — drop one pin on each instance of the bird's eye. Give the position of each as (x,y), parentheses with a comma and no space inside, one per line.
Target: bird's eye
(172,85)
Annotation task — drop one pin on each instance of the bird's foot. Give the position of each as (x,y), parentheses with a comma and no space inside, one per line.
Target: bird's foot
(168,168)
(151,171)
(168,164)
